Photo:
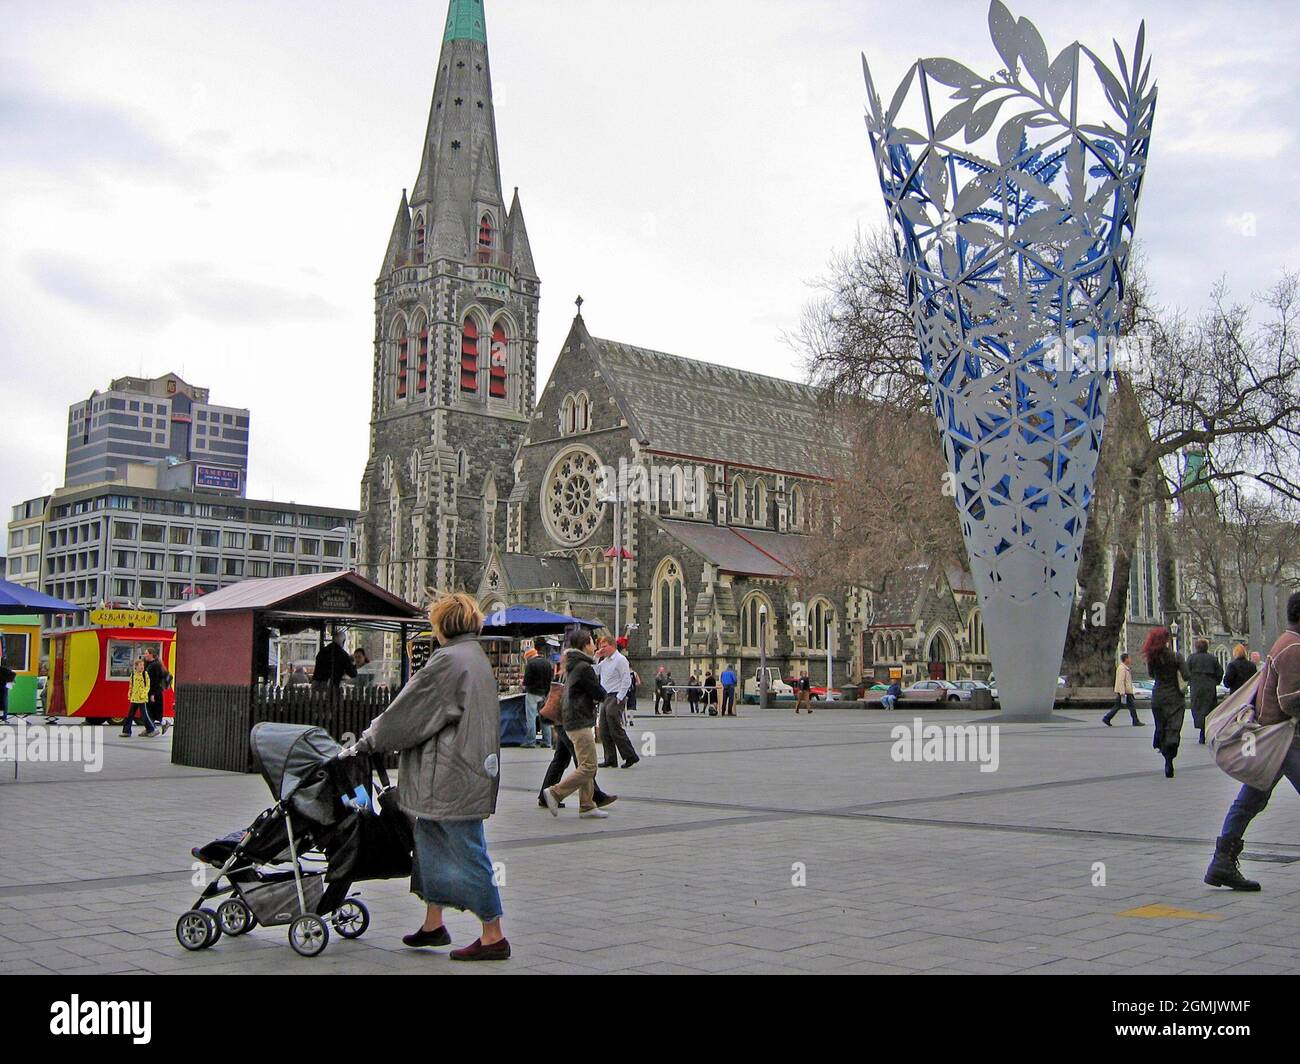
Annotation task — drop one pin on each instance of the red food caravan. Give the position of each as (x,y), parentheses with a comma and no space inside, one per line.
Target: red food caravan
(90,668)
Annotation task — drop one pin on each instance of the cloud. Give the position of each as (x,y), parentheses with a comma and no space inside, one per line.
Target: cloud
(176,289)
(52,135)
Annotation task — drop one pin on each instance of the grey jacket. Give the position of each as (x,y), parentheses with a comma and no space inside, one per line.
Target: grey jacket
(447,726)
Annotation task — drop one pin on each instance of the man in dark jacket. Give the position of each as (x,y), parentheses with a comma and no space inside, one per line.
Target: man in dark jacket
(538,676)
(333,663)
(583,697)
(1277,699)
(7,676)
(159,679)
(1205,672)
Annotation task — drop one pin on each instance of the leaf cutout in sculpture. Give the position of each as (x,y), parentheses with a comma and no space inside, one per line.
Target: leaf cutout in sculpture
(1006,34)
(1060,74)
(950,72)
(1033,51)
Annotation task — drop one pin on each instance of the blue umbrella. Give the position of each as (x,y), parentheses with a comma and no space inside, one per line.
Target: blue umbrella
(522,621)
(16,600)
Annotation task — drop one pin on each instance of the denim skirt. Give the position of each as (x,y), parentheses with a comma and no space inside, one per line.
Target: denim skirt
(452,868)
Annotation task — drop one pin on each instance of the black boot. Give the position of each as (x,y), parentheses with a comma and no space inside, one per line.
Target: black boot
(1169,767)
(1224,870)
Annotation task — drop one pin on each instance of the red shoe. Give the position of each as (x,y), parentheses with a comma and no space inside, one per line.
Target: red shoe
(498,951)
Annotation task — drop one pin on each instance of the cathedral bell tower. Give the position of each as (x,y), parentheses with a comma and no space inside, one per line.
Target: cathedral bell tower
(455,363)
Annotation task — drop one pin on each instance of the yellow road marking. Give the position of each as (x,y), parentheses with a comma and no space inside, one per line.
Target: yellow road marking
(1165,912)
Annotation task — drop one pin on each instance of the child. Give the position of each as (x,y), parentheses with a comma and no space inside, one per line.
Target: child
(139,696)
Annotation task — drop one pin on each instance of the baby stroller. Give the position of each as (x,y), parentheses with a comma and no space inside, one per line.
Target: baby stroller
(330,826)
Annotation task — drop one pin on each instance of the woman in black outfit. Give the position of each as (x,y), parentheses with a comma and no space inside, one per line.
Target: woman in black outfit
(1168,703)
(1239,670)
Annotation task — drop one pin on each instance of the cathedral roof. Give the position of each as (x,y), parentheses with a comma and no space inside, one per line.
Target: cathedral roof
(747,551)
(701,410)
(528,572)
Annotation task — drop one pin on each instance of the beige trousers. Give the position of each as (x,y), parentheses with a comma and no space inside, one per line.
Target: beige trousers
(582,777)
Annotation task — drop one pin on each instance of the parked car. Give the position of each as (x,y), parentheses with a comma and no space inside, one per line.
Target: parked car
(1142,690)
(777,689)
(950,692)
(971,685)
(819,692)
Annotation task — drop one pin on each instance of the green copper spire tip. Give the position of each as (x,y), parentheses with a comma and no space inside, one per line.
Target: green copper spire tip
(465,22)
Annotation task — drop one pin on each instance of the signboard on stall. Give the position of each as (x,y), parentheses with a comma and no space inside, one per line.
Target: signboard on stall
(124,619)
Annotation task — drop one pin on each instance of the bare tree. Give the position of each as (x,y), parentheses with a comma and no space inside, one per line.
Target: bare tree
(1226,383)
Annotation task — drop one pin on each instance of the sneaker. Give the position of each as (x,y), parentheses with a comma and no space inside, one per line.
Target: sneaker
(593,814)
(604,801)
(150,734)
(552,803)
(498,951)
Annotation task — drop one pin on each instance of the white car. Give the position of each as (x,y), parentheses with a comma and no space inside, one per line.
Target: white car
(953,693)
(1142,690)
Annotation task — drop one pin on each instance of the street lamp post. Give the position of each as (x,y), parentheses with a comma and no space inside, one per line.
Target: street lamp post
(830,660)
(762,657)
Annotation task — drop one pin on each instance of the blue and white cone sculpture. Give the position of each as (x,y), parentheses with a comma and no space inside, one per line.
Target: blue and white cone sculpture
(1014,239)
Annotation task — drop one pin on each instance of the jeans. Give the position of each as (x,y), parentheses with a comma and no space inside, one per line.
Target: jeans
(613,733)
(582,780)
(142,711)
(532,703)
(1251,802)
(889,702)
(1119,704)
(729,701)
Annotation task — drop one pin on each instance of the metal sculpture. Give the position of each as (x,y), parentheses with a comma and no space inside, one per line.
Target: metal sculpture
(1014,239)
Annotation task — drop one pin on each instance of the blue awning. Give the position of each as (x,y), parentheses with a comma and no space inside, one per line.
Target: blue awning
(16,600)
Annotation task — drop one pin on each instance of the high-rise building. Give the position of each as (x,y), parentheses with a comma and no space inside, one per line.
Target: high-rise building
(164,420)
(455,343)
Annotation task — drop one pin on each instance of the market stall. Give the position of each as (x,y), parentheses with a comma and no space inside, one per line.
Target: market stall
(22,614)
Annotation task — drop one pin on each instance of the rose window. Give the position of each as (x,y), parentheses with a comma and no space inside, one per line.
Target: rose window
(572,498)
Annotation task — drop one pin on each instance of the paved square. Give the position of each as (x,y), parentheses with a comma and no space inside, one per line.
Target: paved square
(909,867)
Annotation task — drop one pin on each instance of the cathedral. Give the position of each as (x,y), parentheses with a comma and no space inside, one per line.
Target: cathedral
(670,498)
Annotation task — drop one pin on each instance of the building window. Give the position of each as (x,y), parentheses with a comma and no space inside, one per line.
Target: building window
(419,237)
(153,533)
(284,545)
(486,232)
(738,496)
(751,624)
(469,357)
(233,540)
(821,617)
(282,569)
(232,567)
(760,504)
(260,542)
(500,362)
(422,376)
(180,536)
(975,630)
(403,366)
(670,605)
(333,548)
(796,508)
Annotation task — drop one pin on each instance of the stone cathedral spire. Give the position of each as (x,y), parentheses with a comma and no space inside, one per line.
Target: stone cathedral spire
(455,361)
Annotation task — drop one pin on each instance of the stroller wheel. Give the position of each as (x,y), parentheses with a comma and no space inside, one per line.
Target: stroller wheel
(196,930)
(352,919)
(309,935)
(235,918)
(216,925)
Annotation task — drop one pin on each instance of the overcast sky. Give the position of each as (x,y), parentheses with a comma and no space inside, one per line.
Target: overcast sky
(209,187)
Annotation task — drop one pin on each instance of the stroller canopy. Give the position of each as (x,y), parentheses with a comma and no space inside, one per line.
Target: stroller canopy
(290,755)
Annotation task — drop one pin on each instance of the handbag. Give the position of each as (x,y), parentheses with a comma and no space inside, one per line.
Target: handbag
(552,710)
(1249,752)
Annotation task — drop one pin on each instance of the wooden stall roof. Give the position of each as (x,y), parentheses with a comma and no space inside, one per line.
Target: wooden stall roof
(342,595)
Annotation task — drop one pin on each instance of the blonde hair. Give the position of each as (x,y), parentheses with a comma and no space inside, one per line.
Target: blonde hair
(1239,651)
(455,615)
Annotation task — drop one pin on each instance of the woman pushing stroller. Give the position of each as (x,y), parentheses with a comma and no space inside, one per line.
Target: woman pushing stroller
(446,725)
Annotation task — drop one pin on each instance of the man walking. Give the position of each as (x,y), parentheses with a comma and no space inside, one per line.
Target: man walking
(159,679)
(538,674)
(1124,694)
(729,692)
(615,675)
(804,695)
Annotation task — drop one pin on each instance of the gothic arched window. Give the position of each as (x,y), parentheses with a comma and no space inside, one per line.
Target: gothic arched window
(670,607)
(500,373)
(420,341)
(402,343)
(975,630)
(419,237)
(568,416)
(752,625)
(738,500)
(487,233)
(821,616)
(760,503)
(583,413)
(796,508)
(469,357)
